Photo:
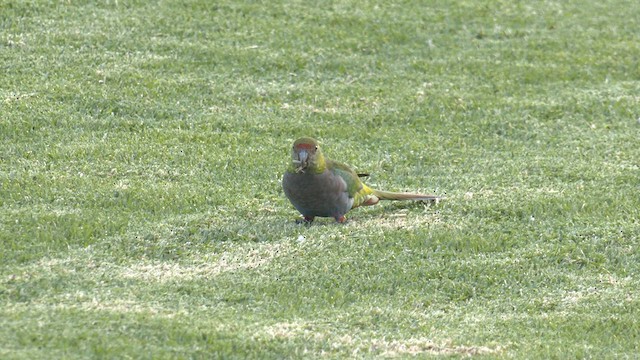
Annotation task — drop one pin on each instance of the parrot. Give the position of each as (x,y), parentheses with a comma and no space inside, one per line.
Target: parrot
(320,187)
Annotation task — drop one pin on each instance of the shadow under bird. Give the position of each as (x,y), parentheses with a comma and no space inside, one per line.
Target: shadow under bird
(318,186)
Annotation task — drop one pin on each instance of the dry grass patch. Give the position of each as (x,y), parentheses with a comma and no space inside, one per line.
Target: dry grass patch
(244,258)
(82,302)
(394,219)
(418,346)
(240,257)
(355,344)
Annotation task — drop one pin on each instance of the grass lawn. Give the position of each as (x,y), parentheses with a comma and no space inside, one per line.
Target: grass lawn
(142,145)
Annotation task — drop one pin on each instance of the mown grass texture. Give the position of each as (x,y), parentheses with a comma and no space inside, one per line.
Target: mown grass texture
(143,144)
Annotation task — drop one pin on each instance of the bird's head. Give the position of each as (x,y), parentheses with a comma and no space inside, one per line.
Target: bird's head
(306,156)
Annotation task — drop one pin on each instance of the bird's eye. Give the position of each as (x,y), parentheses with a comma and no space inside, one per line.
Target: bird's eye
(316,147)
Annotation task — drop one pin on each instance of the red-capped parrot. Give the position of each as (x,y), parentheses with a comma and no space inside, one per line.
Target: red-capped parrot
(318,186)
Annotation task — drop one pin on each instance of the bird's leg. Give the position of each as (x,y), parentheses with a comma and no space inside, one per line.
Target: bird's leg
(305,220)
(341,219)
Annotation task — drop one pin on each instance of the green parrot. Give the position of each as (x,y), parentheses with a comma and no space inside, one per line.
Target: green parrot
(318,186)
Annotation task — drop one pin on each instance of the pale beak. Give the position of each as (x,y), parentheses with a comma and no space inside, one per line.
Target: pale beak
(302,156)
(300,159)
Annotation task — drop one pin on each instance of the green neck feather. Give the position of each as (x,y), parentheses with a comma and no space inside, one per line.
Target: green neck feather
(317,165)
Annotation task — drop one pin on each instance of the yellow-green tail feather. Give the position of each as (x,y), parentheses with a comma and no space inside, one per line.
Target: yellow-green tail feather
(388,195)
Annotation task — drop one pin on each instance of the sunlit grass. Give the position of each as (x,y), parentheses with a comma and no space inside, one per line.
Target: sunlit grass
(142,147)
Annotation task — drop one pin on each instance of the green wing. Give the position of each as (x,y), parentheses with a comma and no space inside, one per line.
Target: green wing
(356,189)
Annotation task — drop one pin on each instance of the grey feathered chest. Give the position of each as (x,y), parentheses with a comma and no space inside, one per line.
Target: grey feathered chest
(322,194)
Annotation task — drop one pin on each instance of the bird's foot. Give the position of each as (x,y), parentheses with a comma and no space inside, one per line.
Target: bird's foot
(305,220)
(341,219)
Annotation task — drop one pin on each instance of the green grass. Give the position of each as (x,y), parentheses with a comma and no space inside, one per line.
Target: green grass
(142,146)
